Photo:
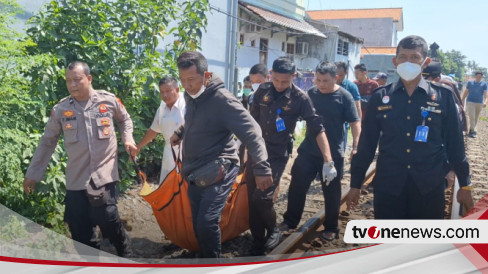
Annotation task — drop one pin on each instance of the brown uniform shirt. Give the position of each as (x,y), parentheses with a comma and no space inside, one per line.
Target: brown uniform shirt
(89,139)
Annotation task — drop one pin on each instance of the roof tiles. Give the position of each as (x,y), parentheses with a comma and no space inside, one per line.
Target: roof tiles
(298,25)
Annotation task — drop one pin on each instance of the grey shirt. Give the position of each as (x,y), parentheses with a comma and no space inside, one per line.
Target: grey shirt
(89,139)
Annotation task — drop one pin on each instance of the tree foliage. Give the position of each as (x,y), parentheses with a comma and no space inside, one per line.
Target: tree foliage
(21,120)
(120,40)
(454,62)
(474,67)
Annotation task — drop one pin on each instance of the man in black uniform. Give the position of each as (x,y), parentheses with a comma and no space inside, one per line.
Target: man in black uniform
(336,106)
(433,73)
(277,105)
(420,138)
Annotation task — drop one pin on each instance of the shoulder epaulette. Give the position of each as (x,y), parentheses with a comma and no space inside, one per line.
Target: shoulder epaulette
(442,85)
(104,92)
(67,99)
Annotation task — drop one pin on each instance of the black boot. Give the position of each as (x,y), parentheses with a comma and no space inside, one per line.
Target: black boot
(123,247)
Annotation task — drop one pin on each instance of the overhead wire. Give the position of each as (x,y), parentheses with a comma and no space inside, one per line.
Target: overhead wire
(274,30)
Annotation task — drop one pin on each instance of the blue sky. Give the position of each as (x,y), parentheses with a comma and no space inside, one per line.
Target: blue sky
(458,25)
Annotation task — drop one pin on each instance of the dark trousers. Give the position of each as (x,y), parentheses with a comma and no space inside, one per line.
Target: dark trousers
(82,219)
(262,215)
(303,172)
(207,204)
(410,204)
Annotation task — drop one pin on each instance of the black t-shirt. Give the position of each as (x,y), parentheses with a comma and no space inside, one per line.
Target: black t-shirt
(335,109)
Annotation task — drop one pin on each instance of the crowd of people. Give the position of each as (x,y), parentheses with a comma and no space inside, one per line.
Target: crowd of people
(416,124)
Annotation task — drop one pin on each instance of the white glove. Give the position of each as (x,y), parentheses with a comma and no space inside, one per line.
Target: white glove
(328,172)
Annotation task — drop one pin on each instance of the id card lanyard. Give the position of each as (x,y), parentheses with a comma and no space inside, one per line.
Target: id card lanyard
(423,130)
(280,123)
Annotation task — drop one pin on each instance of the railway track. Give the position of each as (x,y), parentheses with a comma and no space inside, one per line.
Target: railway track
(295,245)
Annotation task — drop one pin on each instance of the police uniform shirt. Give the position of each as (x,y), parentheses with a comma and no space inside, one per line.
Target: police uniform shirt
(392,118)
(334,109)
(89,139)
(294,104)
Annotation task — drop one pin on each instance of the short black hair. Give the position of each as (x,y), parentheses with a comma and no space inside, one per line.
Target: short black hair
(284,65)
(341,65)
(478,72)
(86,68)
(259,69)
(327,68)
(361,67)
(168,79)
(413,42)
(247,79)
(193,58)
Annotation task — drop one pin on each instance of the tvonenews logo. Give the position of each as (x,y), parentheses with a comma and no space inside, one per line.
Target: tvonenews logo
(416,231)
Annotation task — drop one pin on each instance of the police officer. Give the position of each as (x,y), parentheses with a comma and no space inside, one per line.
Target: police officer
(276,107)
(86,120)
(420,138)
(433,73)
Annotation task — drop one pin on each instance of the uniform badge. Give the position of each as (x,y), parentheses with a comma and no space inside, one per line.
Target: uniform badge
(105,121)
(432,104)
(266,98)
(102,108)
(120,102)
(385,99)
(286,108)
(432,97)
(68,126)
(106,131)
(68,113)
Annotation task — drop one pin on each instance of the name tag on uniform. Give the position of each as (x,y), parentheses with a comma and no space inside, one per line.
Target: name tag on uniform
(382,108)
(421,134)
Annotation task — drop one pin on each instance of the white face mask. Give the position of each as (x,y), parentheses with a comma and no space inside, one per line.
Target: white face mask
(202,89)
(255,86)
(409,71)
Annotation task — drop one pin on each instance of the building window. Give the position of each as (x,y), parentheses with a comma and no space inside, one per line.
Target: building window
(253,43)
(254,27)
(283,46)
(290,49)
(241,39)
(302,48)
(343,47)
(263,51)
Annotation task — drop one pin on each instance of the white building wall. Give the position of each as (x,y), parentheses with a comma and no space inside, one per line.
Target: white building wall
(248,56)
(216,41)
